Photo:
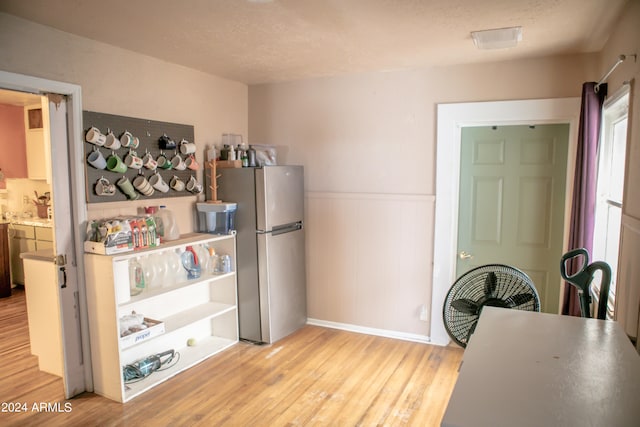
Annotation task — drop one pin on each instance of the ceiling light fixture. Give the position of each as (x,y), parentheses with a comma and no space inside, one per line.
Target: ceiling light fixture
(499,38)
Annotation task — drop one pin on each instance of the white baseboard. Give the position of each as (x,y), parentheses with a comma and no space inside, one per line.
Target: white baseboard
(372,331)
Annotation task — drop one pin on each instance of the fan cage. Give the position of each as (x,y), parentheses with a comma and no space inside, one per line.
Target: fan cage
(471,285)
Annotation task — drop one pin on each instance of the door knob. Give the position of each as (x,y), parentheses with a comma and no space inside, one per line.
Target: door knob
(465,255)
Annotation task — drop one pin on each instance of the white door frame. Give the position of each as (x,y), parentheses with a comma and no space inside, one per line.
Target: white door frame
(78,375)
(450,121)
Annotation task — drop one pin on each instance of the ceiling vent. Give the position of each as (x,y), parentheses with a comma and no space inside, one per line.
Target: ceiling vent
(499,38)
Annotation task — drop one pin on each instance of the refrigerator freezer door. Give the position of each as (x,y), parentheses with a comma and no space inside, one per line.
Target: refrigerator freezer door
(279,196)
(283,295)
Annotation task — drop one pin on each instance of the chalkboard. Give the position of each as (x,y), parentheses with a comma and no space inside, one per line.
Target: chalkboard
(149,133)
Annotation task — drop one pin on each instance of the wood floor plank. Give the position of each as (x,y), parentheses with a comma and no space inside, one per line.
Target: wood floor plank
(395,378)
(315,377)
(360,390)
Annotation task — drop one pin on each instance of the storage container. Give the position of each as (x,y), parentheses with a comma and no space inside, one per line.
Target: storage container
(216,218)
(168,227)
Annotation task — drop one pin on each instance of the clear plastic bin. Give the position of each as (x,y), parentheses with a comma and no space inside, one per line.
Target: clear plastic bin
(216,218)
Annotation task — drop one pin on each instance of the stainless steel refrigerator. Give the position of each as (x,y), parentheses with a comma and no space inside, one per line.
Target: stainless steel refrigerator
(272,299)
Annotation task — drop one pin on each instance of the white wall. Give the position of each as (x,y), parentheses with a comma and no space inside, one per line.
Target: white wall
(367,142)
(121,82)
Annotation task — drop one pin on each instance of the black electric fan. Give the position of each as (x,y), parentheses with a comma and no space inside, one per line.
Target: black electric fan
(494,285)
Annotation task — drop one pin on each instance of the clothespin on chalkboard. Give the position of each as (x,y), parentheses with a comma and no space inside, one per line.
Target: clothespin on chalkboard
(166,143)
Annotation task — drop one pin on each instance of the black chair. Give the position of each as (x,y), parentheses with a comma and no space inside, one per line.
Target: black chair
(582,280)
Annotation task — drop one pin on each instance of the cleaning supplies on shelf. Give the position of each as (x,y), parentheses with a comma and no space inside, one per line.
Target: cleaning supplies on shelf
(136,277)
(169,229)
(191,263)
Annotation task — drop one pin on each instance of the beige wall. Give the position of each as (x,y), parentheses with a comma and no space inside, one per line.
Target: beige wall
(367,142)
(626,40)
(376,132)
(117,81)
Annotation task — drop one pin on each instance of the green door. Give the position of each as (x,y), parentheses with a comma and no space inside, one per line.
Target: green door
(512,198)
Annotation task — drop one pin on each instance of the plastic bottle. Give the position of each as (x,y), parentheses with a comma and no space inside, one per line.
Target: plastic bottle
(159,225)
(224,153)
(251,156)
(213,260)
(136,277)
(151,226)
(211,154)
(169,226)
(155,229)
(203,257)
(191,263)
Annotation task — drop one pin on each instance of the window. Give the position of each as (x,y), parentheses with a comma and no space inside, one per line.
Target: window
(611,162)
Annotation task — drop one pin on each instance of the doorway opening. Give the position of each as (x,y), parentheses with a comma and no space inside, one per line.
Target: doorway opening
(69,214)
(450,121)
(26,206)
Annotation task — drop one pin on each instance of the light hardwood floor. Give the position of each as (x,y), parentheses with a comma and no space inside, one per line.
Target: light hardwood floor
(315,377)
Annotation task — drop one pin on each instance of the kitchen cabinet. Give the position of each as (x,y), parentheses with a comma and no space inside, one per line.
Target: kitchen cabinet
(37,141)
(26,238)
(44,238)
(43,310)
(5,276)
(199,316)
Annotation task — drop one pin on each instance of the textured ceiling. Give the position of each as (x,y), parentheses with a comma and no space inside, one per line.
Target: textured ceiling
(259,41)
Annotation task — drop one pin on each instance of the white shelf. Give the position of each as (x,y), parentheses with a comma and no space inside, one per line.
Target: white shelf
(204,309)
(151,293)
(186,318)
(201,312)
(184,241)
(189,356)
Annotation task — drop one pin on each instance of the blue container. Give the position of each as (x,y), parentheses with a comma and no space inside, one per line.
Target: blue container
(191,264)
(216,218)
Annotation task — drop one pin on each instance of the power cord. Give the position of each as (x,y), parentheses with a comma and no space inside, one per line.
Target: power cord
(141,369)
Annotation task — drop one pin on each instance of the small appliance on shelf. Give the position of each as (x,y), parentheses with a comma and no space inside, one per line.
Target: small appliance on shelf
(216,218)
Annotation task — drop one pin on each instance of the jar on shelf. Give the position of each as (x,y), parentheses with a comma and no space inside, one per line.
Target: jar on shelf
(136,277)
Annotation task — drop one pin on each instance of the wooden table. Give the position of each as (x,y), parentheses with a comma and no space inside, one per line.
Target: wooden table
(524,368)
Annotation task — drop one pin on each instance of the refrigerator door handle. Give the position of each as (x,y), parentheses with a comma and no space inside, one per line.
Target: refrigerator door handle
(281,229)
(287,228)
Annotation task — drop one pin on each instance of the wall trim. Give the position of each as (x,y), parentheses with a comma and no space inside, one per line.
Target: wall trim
(372,331)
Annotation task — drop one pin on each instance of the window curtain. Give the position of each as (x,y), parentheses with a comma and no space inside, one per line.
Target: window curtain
(584,185)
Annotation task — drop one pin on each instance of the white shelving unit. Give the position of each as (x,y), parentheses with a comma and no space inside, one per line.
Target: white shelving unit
(204,309)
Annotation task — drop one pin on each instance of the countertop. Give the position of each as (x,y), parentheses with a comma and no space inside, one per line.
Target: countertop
(34,221)
(41,255)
